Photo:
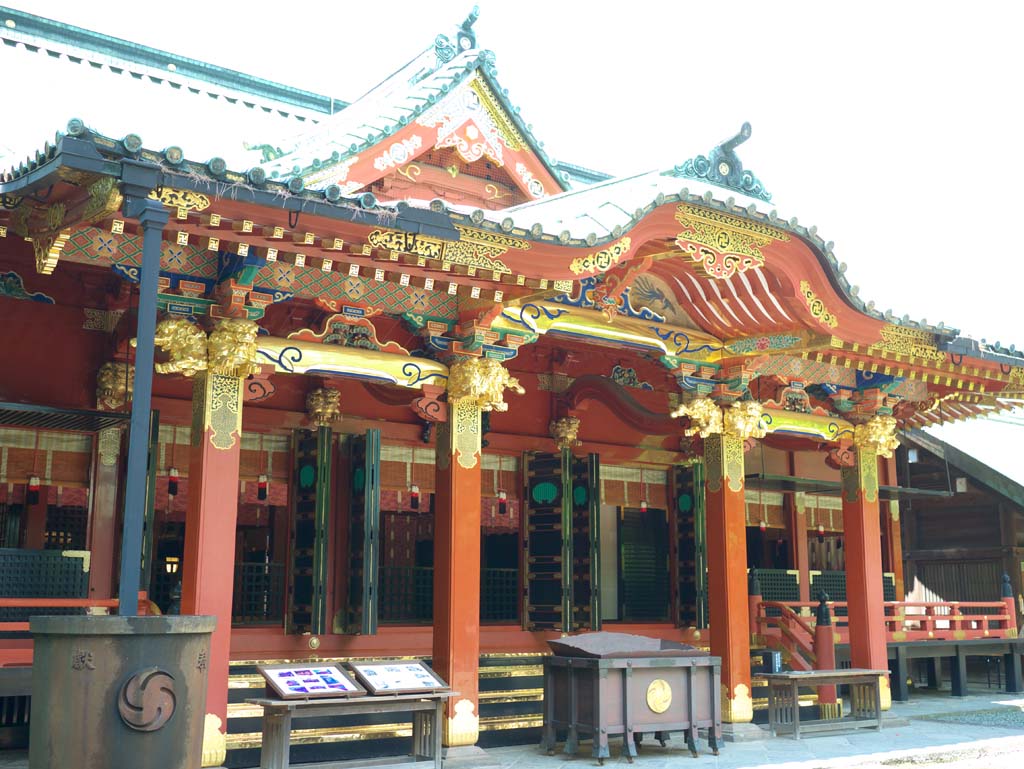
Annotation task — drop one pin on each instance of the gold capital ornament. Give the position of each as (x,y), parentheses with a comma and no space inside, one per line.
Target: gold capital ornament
(220,363)
(483,382)
(873,439)
(231,348)
(724,430)
(565,431)
(324,406)
(474,385)
(115,383)
(185,344)
(705,417)
(877,435)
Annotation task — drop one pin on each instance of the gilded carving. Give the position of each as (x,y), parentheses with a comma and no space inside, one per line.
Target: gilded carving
(877,435)
(721,245)
(743,420)
(215,742)
(463,728)
(108,447)
(115,382)
(732,459)
(705,417)
(185,343)
(861,477)
(232,348)
(714,461)
(187,199)
(601,261)
(104,199)
(910,341)
(477,255)
(407,242)
(223,410)
(324,406)
(506,129)
(565,431)
(495,240)
(481,381)
(739,708)
(817,307)
(475,248)
(48,249)
(466,433)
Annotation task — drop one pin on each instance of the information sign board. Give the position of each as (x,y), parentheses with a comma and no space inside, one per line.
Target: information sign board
(310,680)
(397,677)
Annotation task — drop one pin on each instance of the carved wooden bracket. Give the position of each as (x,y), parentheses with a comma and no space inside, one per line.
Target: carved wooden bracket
(429,406)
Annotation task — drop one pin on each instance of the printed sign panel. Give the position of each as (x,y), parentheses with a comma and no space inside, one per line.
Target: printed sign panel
(397,677)
(310,680)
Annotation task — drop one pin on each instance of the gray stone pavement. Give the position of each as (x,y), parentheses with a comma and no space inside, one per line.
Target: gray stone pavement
(933,729)
(977,732)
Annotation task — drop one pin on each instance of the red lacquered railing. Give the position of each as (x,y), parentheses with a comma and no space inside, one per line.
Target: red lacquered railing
(790,624)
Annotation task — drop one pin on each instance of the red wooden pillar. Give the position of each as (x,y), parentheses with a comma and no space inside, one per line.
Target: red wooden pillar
(210,525)
(864,563)
(457,568)
(727,571)
(797,521)
(103,524)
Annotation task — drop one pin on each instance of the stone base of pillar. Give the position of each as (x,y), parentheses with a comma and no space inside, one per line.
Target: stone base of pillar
(467,756)
(744,732)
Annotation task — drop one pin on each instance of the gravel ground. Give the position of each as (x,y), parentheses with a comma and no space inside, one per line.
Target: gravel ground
(1011,718)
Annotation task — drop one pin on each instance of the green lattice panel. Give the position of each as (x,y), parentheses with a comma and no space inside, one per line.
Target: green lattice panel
(779,585)
(888,587)
(832,582)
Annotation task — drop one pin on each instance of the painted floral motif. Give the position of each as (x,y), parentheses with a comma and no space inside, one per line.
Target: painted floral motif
(12,286)
(398,153)
(533,185)
(465,125)
(627,377)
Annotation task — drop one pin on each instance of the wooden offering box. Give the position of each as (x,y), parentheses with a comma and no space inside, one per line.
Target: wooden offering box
(602,684)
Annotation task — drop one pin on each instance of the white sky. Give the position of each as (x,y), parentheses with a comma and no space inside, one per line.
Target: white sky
(893,127)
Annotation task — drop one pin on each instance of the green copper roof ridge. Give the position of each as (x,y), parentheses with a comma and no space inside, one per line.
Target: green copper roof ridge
(184,67)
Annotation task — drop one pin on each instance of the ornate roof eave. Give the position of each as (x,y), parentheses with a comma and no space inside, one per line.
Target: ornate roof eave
(83,151)
(753,211)
(483,64)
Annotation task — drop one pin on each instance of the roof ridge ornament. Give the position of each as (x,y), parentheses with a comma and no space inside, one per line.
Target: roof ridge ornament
(465,39)
(723,167)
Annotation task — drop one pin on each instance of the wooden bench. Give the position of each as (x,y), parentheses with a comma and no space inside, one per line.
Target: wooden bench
(784,700)
(427,723)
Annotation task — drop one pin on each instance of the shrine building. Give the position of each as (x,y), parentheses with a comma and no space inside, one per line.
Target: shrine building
(402,385)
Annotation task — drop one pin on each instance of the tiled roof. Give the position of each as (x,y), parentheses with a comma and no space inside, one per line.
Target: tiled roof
(393,104)
(56,39)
